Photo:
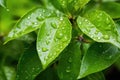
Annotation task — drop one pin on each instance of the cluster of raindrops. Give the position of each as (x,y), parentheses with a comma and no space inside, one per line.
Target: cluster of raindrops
(92,31)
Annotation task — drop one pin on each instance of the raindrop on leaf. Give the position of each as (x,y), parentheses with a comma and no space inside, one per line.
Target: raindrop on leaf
(54,25)
(44,49)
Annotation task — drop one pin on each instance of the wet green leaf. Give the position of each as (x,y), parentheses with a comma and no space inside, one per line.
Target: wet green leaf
(3,3)
(48,74)
(9,72)
(70,7)
(95,76)
(6,72)
(30,22)
(52,38)
(100,27)
(70,61)
(29,65)
(109,7)
(98,57)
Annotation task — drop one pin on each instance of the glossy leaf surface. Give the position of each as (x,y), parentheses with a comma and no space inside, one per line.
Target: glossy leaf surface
(48,74)
(100,27)
(70,7)
(70,61)
(109,7)
(6,72)
(95,76)
(29,65)
(3,3)
(30,22)
(98,57)
(52,38)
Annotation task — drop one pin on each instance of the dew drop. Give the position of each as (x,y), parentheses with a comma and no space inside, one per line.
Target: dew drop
(59,35)
(68,69)
(40,18)
(33,68)
(110,57)
(86,20)
(44,49)
(26,78)
(28,17)
(61,47)
(80,23)
(54,25)
(70,59)
(106,37)
(65,38)
(43,11)
(47,42)
(107,21)
(55,39)
(99,37)
(61,18)
(7,10)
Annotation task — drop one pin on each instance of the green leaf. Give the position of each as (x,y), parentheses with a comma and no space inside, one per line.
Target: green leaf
(98,57)
(48,74)
(95,76)
(99,26)
(9,72)
(69,64)
(3,3)
(6,72)
(29,65)
(70,7)
(109,7)
(118,27)
(52,38)
(30,22)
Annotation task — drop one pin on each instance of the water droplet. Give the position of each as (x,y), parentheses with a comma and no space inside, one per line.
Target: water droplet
(28,17)
(99,35)
(86,20)
(65,38)
(110,57)
(26,77)
(17,76)
(68,69)
(47,42)
(80,23)
(7,10)
(107,21)
(106,37)
(61,18)
(101,14)
(109,25)
(40,18)
(59,35)
(43,11)
(70,59)
(53,24)
(44,49)
(33,68)
(61,47)
(55,39)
